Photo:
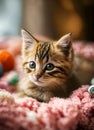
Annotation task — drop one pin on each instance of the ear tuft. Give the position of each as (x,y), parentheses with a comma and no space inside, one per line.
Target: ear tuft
(27,37)
(27,41)
(65,41)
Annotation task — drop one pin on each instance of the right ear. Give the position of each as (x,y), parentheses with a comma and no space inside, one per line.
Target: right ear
(27,40)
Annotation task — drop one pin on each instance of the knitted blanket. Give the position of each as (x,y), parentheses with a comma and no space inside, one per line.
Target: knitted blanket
(73,113)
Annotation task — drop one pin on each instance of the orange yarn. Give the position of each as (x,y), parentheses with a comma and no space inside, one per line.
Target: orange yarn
(7,60)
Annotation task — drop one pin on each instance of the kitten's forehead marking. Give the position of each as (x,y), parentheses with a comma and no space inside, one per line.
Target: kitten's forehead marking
(42,50)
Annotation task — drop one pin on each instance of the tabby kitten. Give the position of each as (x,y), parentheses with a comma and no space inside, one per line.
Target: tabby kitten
(48,67)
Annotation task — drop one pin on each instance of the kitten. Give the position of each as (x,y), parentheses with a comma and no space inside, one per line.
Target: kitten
(48,67)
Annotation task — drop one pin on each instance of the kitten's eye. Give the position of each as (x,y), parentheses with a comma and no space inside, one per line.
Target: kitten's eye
(49,66)
(32,64)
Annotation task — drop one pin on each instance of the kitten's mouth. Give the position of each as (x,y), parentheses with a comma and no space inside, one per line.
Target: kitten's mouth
(36,81)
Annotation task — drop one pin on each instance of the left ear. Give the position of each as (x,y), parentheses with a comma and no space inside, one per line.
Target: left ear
(27,41)
(65,41)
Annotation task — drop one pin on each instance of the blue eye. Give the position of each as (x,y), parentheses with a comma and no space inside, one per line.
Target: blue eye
(32,64)
(49,67)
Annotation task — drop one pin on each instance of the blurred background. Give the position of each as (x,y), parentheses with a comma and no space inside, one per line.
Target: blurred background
(51,18)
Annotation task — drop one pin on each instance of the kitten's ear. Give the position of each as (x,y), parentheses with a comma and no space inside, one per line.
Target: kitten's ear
(27,38)
(65,45)
(27,41)
(65,41)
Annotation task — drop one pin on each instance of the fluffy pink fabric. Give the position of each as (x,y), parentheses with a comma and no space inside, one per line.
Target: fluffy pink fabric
(84,49)
(73,113)
(85,101)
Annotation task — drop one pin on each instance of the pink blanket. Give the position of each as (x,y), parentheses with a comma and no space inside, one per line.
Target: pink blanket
(73,113)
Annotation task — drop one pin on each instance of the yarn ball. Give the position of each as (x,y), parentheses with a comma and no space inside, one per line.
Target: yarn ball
(6,60)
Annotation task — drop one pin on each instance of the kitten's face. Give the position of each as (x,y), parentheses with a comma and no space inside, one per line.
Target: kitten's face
(47,64)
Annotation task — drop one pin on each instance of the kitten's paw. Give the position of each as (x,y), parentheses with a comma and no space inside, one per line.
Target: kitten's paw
(43,96)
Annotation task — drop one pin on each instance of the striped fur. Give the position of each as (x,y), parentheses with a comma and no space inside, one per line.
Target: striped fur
(42,51)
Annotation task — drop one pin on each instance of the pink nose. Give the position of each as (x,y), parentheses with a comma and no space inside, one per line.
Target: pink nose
(37,76)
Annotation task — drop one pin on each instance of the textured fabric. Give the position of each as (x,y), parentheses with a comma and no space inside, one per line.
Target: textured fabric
(73,113)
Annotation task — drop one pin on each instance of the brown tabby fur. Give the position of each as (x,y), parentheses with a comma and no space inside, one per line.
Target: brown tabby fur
(40,83)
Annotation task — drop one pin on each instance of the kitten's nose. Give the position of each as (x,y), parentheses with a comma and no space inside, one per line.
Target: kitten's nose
(37,76)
